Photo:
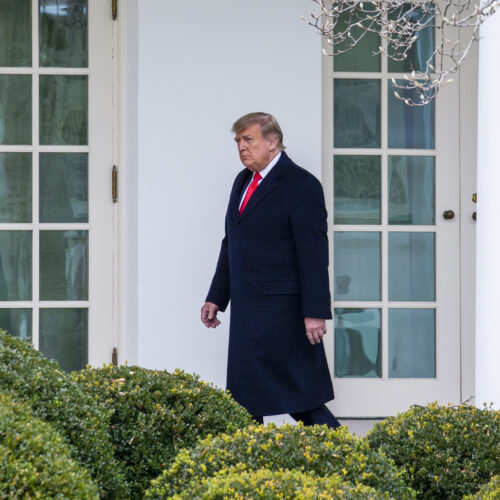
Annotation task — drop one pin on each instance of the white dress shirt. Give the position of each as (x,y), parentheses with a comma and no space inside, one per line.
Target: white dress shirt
(263,173)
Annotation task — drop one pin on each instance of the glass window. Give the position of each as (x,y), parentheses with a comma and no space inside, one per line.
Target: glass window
(63,33)
(356,113)
(356,189)
(412,266)
(411,188)
(410,127)
(412,343)
(357,265)
(64,336)
(358,343)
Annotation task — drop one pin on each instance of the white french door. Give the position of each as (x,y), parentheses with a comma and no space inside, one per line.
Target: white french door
(391,178)
(56,155)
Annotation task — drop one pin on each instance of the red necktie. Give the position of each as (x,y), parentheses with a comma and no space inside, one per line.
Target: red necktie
(251,189)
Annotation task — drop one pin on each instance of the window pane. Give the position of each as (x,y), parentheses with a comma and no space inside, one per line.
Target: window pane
(63,33)
(410,126)
(360,57)
(15,187)
(357,265)
(15,265)
(411,190)
(422,49)
(15,33)
(63,265)
(64,337)
(356,189)
(15,109)
(356,113)
(358,343)
(412,266)
(17,322)
(64,187)
(63,109)
(412,343)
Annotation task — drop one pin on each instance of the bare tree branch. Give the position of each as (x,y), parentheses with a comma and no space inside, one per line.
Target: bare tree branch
(400,24)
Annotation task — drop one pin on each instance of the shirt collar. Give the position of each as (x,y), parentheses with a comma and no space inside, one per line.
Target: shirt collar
(268,168)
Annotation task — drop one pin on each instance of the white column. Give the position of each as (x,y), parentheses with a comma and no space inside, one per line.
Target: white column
(488,219)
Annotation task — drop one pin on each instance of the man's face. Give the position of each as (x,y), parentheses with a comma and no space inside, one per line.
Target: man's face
(256,152)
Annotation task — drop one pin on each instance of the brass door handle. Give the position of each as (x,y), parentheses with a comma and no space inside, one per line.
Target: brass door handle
(448,214)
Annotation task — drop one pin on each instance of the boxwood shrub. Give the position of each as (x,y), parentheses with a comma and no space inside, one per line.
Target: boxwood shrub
(284,484)
(156,413)
(488,491)
(56,398)
(311,450)
(35,461)
(446,452)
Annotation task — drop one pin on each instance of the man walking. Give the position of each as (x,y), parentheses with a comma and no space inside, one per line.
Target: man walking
(273,266)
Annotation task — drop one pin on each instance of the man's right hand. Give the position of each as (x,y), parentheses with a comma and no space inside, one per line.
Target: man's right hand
(209,315)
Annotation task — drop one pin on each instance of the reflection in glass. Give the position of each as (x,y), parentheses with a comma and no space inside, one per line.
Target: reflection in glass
(15,187)
(357,265)
(15,109)
(15,265)
(411,190)
(15,33)
(412,266)
(63,265)
(421,51)
(356,113)
(63,33)
(356,189)
(17,322)
(410,126)
(360,57)
(64,337)
(63,109)
(358,343)
(64,187)
(412,343)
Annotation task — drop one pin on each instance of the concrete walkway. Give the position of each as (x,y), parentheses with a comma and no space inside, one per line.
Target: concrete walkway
(358,426)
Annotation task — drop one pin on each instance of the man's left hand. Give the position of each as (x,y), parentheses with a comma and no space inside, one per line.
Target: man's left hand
(315,329)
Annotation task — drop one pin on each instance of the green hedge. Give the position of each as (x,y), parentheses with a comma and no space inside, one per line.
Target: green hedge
(446,452)
(35,461)
(312,450)
(156,413)
(286,485)
(56,398)
(489,491)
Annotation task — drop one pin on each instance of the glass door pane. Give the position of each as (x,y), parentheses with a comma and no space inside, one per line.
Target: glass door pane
(15,33)
(393,252)
(45,217)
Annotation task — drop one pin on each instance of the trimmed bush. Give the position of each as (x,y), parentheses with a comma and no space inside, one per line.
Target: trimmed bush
(56,398)
(156,413)
(287,485)
(35,461)
(446,452)
(489,491)
(311,450)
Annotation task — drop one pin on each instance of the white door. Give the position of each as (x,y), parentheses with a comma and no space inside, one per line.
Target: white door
(56,155)
(391,177)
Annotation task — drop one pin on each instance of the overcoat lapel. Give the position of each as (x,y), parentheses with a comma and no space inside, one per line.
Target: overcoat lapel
(268,184)
(244,177)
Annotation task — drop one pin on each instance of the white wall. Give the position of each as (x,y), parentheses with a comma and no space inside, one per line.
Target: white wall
(201,65)
(488,216)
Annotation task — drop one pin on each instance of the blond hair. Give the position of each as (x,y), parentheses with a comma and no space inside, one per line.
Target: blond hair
(268,125)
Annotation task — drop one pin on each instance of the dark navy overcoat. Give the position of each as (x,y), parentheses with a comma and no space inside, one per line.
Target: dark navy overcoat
(273,267)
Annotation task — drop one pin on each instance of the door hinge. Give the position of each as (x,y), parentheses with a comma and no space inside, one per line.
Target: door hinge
(114,9)
(114,188)
(114,357)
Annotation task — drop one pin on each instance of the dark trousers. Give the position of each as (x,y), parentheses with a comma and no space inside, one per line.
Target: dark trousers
(320,416)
